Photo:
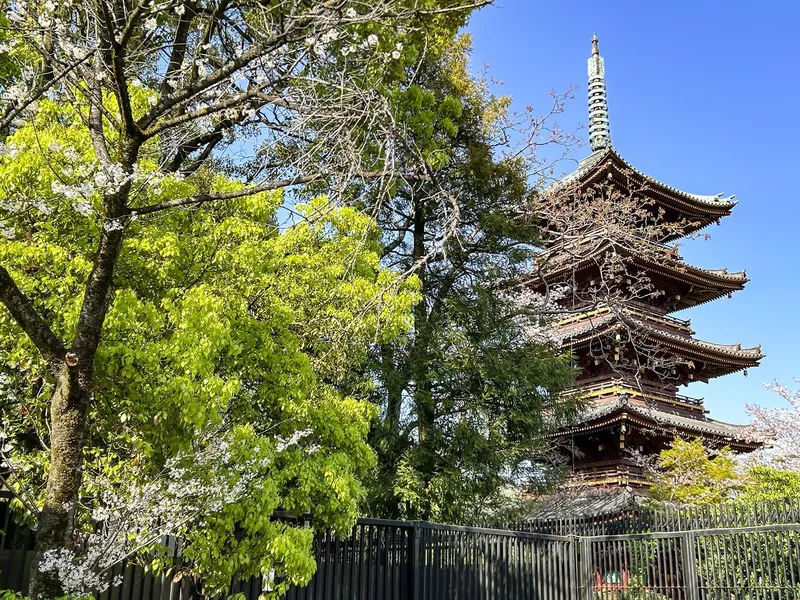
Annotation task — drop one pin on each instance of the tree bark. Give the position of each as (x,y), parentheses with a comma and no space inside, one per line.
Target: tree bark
(423,399)
(393,380)
(69,408)
(71,399)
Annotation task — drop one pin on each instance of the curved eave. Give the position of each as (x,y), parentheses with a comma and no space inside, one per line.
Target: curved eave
(706,209)
(732,356)
(721,279)
(712,430)
(716,278)
(714,283)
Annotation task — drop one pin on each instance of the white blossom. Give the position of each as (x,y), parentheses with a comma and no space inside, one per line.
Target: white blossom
(7,231)
(112,225)
(372,40)
(42,207)
(83,208)
(329,36)
(777,428)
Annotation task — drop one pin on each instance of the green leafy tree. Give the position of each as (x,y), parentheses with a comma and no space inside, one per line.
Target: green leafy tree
(690,473)
(763,483)
(159,326)
(214,398)
(466,397)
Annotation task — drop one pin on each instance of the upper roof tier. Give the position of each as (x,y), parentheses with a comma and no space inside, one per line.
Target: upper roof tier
(701,285)
(707,360)
(692,211)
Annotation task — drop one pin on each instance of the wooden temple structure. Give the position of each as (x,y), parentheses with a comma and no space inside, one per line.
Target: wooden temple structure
(640,409)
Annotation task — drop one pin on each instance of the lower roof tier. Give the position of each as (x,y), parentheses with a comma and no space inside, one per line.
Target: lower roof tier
(661,421)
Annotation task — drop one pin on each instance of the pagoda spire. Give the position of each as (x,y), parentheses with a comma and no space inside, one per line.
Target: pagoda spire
(599,130)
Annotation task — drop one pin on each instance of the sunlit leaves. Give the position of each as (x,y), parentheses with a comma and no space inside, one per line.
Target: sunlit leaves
(222,327)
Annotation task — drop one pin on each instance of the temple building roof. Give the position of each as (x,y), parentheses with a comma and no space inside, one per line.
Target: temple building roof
(661,419)
(720,358)
(699,210)
(588,504)
(705,284)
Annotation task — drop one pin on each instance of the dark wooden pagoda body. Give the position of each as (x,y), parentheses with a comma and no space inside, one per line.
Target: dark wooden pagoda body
(643,411)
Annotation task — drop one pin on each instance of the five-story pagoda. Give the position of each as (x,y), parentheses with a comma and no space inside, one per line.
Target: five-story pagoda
(623,280)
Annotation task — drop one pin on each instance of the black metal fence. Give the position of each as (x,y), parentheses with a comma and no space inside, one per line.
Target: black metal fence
(756,558)
(394,560)
(668,518)
(755,563)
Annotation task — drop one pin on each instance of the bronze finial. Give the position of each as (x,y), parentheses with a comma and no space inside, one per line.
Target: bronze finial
(599,133)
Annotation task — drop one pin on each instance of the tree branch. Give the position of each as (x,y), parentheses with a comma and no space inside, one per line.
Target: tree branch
(25,315)
(244,192)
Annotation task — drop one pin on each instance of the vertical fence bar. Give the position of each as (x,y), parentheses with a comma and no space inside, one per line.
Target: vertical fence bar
(689,575)
(415,560)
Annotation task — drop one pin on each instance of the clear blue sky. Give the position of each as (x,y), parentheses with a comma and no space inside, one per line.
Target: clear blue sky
(704,96)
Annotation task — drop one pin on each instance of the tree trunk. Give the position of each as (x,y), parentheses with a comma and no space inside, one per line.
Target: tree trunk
(423,399)
(393,380)
(72,396)
(69,408)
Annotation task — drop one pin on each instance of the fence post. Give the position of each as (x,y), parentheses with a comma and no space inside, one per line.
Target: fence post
(689,565)
(574,569)
(415,560)
(585,571)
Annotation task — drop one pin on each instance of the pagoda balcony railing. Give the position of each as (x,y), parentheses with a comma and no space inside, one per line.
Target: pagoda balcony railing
(597,385)
(646,310)
(608,463)
(608,473)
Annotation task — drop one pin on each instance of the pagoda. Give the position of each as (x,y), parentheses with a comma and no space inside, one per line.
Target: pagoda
(634,402)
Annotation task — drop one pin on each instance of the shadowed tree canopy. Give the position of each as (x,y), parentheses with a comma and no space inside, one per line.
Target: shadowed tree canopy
(466,397)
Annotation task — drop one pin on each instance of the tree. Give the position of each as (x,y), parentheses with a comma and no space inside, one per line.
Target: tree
(689,473)
(212,387)
(465,398)
(777,428)
(132,113)
(765,483)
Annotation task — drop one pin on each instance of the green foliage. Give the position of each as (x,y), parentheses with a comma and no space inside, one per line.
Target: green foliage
(688,473)
(466,397)
(765,483)
(12,595)
(222,328)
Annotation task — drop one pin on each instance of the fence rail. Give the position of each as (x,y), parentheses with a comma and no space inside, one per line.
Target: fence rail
(733,553)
